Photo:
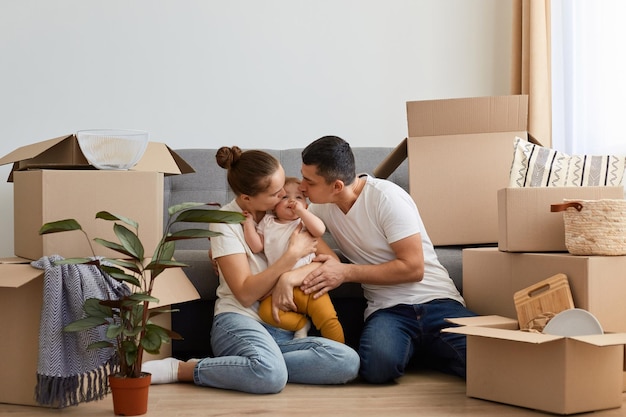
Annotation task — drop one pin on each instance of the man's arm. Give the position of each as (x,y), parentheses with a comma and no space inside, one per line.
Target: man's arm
(407,267)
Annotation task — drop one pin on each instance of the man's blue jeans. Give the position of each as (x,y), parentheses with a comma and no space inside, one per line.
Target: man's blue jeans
(393,336)
(260,359)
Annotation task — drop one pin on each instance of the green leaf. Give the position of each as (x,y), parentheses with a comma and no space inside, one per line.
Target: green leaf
(191,234)
(114,246)
(210,216)
(184,206)
(165,264)
(85,324)
(105,215)
(114,330)
(151,341)
(132,266)
(94,308)
(129,240)
(129,350)
(143,297)
(78,261)
(165,251)
(100,345)
(124,277)
(153,312)
(60,226)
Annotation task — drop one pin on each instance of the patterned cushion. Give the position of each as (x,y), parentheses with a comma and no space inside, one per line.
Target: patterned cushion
(537,166)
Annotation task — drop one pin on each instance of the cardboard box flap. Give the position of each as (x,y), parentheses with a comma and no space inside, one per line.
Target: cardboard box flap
(467,115)
(504,334)
(172,287)
(160,158)
(31,151)
(606,339)
(392,161)
(15,260)
(61,152)
(486,321)
(15,275)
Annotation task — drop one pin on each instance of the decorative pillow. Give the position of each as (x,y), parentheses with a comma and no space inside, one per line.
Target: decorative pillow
(537,166)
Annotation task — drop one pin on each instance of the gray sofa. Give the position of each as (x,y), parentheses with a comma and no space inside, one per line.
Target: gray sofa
(208,184)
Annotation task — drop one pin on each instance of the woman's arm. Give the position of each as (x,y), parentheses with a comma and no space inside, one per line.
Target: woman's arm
(249,288)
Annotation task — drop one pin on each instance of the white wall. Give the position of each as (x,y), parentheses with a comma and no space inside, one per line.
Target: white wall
(253,73)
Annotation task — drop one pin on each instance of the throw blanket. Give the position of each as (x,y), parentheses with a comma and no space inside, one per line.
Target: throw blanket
(67,372)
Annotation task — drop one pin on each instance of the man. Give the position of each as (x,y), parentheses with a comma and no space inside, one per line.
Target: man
(377,226)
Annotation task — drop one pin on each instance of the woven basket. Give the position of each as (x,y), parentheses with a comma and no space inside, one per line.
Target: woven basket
(594,227)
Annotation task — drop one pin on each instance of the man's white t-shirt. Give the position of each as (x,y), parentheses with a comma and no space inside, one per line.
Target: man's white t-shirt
(232,241)
(383,214)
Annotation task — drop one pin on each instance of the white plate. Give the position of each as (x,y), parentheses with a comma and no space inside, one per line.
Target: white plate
(573,322)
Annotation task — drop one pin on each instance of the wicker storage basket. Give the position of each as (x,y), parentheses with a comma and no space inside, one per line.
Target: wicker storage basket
(594,227)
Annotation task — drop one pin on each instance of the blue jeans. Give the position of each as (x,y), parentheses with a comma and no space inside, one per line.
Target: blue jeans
(395,336)
(260,359)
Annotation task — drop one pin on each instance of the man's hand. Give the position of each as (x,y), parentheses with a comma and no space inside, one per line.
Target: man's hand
(325,278)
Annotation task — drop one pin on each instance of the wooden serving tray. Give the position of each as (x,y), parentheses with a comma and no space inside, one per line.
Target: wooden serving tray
(552,295)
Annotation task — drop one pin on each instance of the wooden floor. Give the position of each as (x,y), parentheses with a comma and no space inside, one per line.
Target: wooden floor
(417,394)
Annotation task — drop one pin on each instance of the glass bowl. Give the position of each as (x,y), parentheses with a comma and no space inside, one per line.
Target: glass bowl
(113,149)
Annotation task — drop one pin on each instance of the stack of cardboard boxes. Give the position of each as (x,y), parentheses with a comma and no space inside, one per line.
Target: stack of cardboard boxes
(52,180)
(460,154)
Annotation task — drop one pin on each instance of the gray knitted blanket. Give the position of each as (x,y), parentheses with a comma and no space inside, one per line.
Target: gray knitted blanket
(68,373)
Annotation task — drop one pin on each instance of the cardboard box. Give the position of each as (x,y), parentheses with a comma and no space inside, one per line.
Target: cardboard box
(562,375)
(525,223)
(42,194)
(460,154)
(21,291)
(598,283)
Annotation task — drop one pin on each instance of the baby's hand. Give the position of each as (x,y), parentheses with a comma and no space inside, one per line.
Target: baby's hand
(296,206)
(249,218)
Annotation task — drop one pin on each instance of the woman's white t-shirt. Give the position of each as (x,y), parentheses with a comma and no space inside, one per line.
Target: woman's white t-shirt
(383,214)
(232,241)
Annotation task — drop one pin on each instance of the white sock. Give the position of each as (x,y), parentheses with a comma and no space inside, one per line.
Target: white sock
(303,332)
(164,371)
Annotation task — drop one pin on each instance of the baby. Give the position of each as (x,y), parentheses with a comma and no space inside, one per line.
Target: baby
(272,235)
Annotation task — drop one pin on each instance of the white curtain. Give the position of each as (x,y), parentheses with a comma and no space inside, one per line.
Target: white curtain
(589,76)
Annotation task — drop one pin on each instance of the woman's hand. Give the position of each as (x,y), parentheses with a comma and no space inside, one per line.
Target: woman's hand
(282,295)
(301,243)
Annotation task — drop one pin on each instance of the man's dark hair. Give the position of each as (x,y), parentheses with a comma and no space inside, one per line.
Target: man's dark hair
(333,159)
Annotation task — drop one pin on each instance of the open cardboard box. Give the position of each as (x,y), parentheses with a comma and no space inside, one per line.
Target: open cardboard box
(562,375)
(460,154)
(21,292)
(598,283)
(525,222)
(64,152)
(53,181)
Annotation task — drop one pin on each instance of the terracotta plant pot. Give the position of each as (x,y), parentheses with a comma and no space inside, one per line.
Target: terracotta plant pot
(130,395)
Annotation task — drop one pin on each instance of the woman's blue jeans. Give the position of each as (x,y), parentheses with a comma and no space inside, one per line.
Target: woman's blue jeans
(260,359)
(395,336)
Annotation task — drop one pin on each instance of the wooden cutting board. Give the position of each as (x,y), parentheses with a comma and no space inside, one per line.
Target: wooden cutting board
(552,295)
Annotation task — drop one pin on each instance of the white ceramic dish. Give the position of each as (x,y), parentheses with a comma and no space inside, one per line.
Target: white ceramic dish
(116,149)
(573,322)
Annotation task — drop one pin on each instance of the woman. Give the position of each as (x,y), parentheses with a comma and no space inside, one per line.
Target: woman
(252,356)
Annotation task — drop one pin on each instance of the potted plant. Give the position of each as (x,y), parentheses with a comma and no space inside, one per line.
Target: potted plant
(129,328)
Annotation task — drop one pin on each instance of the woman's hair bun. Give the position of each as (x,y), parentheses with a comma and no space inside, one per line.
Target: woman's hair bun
(227,157)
